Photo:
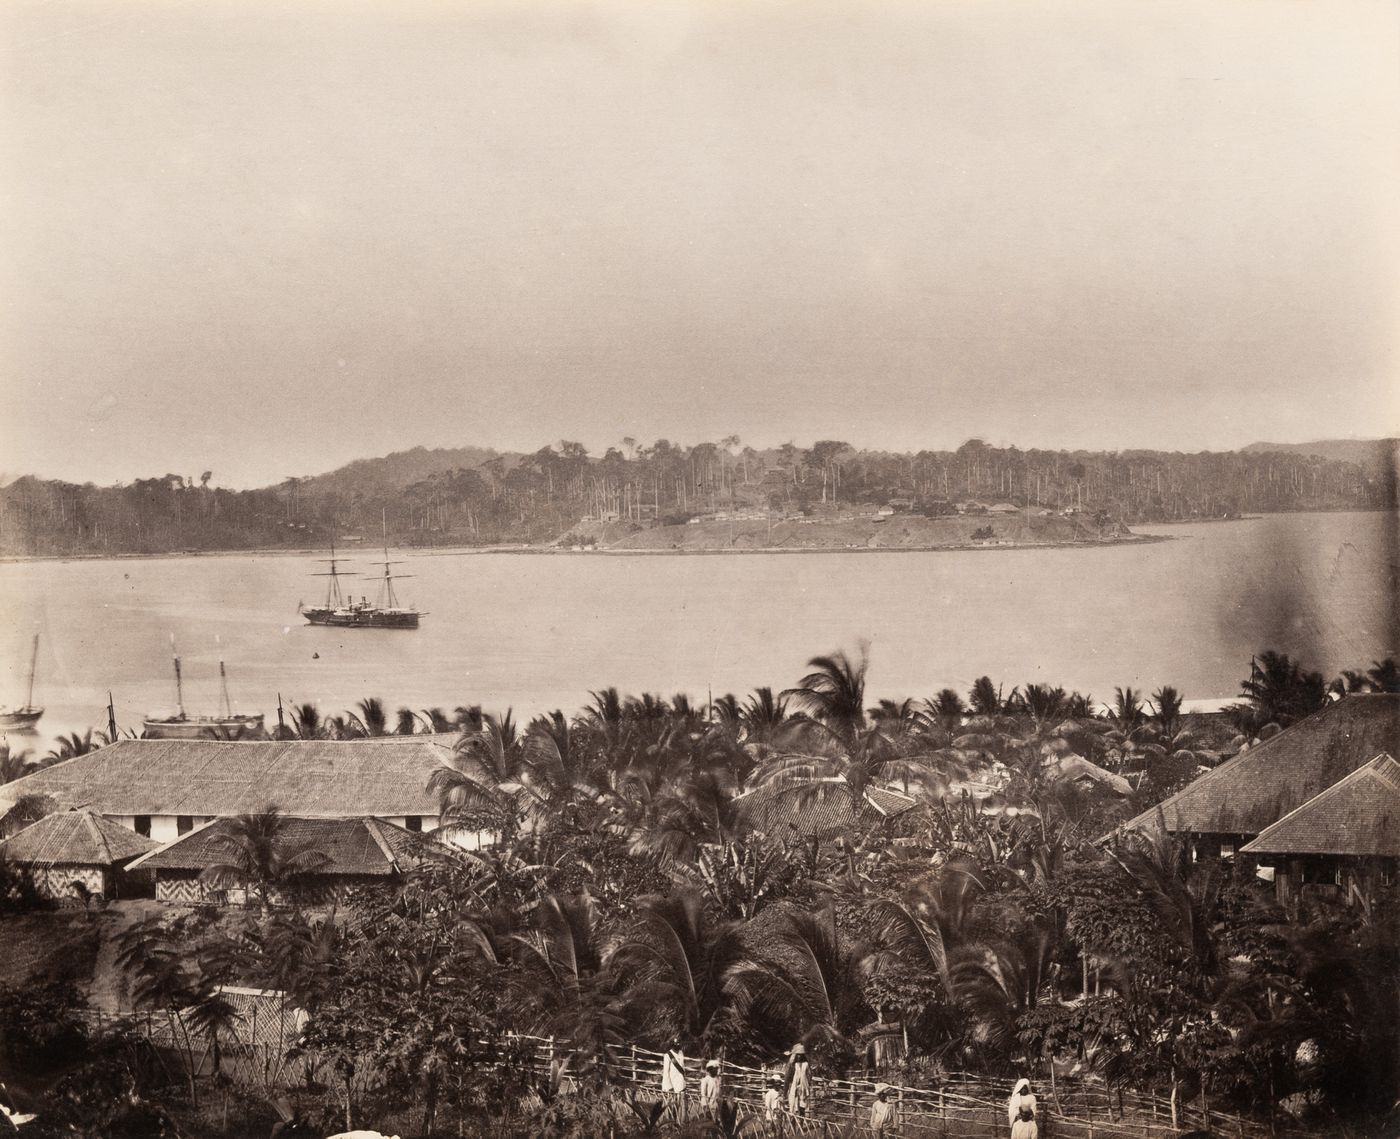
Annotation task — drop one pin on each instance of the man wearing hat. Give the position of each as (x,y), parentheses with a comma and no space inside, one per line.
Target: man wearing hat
(882,1112)
(799,1080)
(709,1088)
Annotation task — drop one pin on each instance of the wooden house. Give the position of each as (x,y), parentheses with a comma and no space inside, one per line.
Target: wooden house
(351,852)
(821,808)
(163,789)
(1343,844)
(78,853)
(1230,807)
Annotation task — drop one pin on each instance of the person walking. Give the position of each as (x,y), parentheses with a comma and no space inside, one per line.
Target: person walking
(709,1088)
(882,1112)
(1020,1112)
(799,1080)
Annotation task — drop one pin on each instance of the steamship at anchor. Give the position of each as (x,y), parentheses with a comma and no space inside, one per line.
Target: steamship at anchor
(350,612)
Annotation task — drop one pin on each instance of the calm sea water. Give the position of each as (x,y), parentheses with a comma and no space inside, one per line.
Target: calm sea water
(535,632)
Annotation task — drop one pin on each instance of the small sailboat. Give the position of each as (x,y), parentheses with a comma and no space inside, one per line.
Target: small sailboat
(183,726)
(23,718)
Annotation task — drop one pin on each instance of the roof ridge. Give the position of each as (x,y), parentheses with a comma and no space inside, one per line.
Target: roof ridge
(1224,770)
(1371,769)
(91,823)
(176,841)
(371,824)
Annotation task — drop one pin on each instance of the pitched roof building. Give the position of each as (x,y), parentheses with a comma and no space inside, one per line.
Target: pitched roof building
(355,851)
(75,847)
(819,807)
(1357,817)
(1247,794)
(165,788)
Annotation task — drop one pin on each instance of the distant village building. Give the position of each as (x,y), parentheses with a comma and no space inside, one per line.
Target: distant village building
(822,808)
(1324,775)
(73,853)
(162,789)
(358,852)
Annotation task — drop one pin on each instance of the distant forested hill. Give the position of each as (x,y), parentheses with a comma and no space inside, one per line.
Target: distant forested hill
(477,496)
(1375,456)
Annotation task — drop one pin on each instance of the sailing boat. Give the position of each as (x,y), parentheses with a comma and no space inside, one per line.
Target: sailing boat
(183,726)
(24,717)
(350,613)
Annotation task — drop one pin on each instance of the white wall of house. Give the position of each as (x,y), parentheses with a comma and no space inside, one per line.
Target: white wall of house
(166,828)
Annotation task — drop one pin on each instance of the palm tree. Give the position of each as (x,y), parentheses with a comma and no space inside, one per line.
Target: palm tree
(947,707)
(680,960)
(805,978)
(487,773)
(1384,675)
(371,718)
(984,699)
(1280,691)
(566,987)
(437,721)
(73,745)
(1166,709)
(833,693)
(16,764)
(259,857)
(1127,712)
(606,715)
(763,714)
(306,721)
(405,722)
(163,979)
(1045,704)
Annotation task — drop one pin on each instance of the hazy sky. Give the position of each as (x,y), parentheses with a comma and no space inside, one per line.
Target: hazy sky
(267,238)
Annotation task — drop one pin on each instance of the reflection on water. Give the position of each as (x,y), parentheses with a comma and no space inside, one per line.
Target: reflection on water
(539,631)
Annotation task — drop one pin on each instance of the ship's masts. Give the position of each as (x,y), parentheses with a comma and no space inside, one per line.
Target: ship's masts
(179,690)
(33,660)
(223,682)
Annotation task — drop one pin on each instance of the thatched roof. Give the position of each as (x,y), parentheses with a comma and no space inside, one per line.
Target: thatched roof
(822,806)
(1256,788)
(75,838)
(353,846)
(1360,816)
(1077,769)
(307,778)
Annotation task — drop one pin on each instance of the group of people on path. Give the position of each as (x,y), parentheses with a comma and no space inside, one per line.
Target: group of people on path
(791,1089)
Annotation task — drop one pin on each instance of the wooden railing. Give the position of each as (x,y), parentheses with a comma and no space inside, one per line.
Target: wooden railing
(958,1106)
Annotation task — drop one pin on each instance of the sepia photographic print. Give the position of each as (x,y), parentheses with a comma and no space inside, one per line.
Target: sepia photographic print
(779,568)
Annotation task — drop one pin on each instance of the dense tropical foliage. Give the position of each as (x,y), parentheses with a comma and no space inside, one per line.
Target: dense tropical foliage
(917,884)
(472,496)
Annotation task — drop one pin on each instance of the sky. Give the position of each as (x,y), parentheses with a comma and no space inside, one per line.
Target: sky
(264,239)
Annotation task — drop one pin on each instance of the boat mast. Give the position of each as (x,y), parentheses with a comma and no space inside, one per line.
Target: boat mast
(333,597)
(179,691)
(223,681)
(33,660)
(390,601)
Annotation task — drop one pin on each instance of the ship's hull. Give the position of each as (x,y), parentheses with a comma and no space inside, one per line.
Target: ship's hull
(200,727)
(19,719)
(363,618)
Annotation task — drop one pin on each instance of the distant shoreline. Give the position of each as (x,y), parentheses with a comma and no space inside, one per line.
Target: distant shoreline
(461,551)
(519,548)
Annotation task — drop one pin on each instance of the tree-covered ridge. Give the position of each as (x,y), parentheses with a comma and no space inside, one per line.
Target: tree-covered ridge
(469,496)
